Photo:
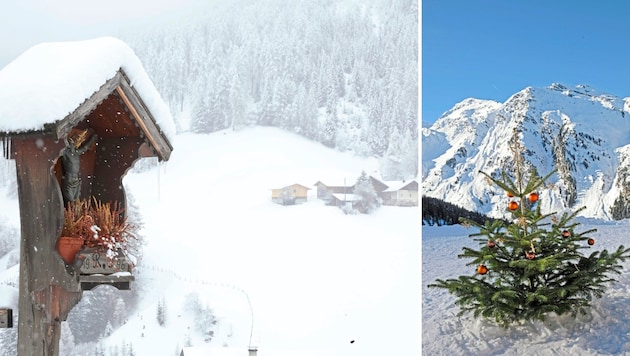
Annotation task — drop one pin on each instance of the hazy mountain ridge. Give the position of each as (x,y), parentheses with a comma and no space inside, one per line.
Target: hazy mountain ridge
(581,132)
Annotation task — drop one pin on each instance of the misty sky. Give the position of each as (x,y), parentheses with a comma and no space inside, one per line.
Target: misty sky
(25,23)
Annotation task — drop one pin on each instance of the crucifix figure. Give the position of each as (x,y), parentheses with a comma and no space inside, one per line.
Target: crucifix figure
(75,147)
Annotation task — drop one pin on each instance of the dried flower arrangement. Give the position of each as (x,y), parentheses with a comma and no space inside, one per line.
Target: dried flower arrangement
(100,225)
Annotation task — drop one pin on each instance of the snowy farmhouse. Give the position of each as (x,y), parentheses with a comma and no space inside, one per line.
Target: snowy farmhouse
(400,193)
(74,116)
(290,195)
(395,193)
(326,191)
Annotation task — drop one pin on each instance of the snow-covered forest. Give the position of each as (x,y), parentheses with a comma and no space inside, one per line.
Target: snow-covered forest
(341,73)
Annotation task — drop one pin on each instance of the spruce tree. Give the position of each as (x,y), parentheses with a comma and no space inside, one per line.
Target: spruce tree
(533,264)
(161,312)
(367,198)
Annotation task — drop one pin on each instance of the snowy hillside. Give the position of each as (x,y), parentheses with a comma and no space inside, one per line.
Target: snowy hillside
(344,73)
(603,330)
(300,280)
(579,131)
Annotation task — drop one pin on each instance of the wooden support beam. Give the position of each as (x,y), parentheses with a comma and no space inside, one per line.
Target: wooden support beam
(70,121)
(6,318)
(121,282)
(47,291)
(144,119)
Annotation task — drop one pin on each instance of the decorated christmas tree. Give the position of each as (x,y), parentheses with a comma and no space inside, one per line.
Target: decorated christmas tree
(530,265)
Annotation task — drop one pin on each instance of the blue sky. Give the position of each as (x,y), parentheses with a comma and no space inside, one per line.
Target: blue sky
(491,49)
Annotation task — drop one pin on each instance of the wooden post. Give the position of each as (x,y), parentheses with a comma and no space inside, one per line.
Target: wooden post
(6,318)
(47,292)
(48,289)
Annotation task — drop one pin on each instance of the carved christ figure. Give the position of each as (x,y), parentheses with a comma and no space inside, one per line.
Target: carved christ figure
(70,159)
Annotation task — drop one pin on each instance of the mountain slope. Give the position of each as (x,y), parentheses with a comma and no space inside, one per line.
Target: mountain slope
(579,131)
(304,279)
(343,73)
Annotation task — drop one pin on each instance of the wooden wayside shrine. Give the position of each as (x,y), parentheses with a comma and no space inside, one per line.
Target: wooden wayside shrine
(126,131)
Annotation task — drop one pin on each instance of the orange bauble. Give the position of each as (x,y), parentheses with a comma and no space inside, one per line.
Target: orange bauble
(566,233)
(512,205)
(481,269)
(533,197)
(491,244)
(591,242)
(510,195)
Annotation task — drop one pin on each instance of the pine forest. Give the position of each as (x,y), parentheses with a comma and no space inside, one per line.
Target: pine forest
(341,73)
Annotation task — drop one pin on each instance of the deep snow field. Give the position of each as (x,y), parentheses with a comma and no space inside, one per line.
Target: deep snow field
(605,330)
(294,280)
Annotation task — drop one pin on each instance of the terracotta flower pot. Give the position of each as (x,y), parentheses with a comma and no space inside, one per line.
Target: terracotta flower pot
(68,247)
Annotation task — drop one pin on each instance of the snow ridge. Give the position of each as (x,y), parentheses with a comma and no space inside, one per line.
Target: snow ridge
(579,131)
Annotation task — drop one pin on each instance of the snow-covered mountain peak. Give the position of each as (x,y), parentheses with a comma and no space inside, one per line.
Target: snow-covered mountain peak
(466,116)
(582,91)
(576,131)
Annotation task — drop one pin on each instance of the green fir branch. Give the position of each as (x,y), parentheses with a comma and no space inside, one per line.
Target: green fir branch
(533,265)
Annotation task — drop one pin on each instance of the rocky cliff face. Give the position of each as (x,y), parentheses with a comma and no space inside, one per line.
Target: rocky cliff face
(582,133)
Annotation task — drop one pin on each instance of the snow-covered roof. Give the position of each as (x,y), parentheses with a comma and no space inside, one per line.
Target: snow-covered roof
(347,197)
(337,183)
(50,80)
(393,186)
(293,185)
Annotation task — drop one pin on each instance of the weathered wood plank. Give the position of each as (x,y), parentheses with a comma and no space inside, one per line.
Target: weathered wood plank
(114,157)
(46,291)
(96,261)
(119,281)
(6,318)
(72,119)
(144,118)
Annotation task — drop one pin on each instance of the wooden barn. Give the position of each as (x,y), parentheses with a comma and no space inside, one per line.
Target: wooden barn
(290,195)
(54,95)
(325,191)
(344,200)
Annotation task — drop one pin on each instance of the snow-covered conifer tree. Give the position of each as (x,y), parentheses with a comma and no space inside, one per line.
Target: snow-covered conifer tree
(161,312)
(533,265)
(367,198)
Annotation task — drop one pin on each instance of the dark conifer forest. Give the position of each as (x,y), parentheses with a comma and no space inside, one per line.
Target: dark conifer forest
(438,212)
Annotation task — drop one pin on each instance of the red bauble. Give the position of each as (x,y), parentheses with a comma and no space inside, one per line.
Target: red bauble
(491,244)
(566,233)
(512,205)
(530,255)
(481,269)
(533,197)
(591,242)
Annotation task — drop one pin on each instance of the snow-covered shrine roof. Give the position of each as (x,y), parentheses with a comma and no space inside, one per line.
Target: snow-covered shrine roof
(50,81)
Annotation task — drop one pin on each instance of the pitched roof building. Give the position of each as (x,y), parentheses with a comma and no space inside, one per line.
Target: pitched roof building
(50,96)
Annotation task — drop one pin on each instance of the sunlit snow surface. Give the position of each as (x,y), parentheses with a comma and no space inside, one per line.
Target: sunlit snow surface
(603,331)
(475,136)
